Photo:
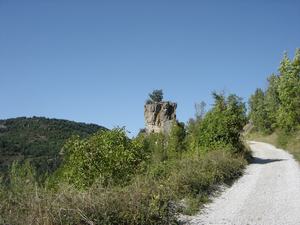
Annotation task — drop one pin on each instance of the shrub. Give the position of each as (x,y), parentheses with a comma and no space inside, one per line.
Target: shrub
(145,200)
(177,139)
(107,155)
(155,145)
(155,96)
(222,125)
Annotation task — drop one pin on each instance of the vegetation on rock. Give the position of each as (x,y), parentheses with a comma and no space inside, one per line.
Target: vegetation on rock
(156,96)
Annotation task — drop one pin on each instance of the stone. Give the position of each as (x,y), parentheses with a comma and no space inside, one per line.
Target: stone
(159,116)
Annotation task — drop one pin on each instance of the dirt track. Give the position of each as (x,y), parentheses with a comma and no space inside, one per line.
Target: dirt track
(268,193)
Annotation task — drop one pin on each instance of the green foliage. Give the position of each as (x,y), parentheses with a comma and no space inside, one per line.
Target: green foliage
(155,145)
(108,178)
(108,156)
(222,125)
(143,201)
(19,194)
(193,134)
(156,96)
(200,110)
(198,175)
(164,147)
(289,96)
(271,103)
(38,140)
(259,114)
(279,105)
(296,62)
(20,173)
(177,138)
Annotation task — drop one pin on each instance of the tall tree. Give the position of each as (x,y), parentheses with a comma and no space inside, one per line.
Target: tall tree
(279,105)
(200,110)
(258,112)
(289,94)
(296,62)
(176,141)
(272,101)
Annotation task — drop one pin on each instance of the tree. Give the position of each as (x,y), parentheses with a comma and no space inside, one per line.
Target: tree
(222,125)
(296,62)
(200,110)
(285,64)
(192,128)
(258,112)
(289,93)
(279,105)
(176,141)
(156,96)
(272,101)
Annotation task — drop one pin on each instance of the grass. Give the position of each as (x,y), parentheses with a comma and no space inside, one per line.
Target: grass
(289,142)
(153,197)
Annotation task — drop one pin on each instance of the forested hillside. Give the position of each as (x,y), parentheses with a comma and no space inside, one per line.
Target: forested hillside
(38,139)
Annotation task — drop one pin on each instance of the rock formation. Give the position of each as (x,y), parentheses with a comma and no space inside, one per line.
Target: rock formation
(159,116)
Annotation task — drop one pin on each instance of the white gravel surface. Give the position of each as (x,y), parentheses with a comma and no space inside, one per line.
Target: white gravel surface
(268,193)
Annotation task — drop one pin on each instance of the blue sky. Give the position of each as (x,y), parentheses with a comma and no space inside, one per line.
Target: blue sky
(96,61)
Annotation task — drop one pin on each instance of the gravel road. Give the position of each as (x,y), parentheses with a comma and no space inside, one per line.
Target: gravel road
(268,193)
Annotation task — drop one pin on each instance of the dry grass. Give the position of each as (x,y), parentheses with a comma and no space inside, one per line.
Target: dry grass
(289,142)
(152,198)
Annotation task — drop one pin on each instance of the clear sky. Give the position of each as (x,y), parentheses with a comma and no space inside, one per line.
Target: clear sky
(96,61)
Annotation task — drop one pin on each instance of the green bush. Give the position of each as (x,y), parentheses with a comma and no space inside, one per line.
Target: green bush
(155,146)
(156,96)
(109,156)
(193,135)
(177,139)
(162,147)
(222,125)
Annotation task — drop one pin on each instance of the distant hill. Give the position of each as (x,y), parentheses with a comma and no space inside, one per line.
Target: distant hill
(38,139)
